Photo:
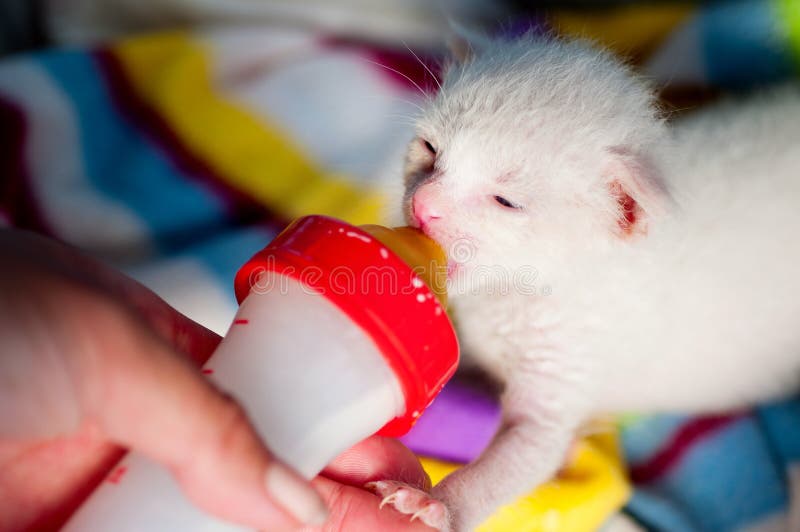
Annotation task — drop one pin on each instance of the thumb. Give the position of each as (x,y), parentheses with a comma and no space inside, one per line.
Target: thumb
(357,510)
(149,398)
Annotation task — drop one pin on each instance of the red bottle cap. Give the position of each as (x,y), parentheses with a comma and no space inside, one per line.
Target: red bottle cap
(378,291)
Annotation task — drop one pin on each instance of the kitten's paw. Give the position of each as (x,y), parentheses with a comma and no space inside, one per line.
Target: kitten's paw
(412,501)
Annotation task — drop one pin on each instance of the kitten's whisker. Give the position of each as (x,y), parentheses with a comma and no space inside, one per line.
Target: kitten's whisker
(399,99)
(400,73)
(403,120)
(409,102)
(421,62)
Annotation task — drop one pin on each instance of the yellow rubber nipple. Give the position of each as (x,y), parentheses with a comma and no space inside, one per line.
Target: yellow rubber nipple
(421,253)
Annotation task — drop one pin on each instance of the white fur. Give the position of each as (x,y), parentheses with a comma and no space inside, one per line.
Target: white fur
(697,309)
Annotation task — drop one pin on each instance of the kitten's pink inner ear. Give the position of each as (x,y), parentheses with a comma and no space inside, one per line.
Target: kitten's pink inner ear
(639,193)
(630,218)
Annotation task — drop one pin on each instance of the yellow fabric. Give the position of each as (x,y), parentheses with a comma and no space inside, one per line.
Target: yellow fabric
(173,74)
(626,30)
(584,495)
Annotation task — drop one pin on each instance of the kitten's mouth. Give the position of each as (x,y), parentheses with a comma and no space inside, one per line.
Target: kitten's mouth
(452,266)
(459,250)
(424,228)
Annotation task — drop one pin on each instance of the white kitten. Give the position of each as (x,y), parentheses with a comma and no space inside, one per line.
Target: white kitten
(648,268)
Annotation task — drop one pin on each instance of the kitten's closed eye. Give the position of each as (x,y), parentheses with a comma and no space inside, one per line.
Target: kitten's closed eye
(508,204)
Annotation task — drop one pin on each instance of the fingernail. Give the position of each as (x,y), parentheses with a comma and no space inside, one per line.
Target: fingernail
(295,495)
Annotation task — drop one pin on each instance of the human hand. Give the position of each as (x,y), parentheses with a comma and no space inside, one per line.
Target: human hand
(91,361)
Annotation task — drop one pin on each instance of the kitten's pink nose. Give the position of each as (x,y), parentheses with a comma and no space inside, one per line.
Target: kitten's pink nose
(422,208)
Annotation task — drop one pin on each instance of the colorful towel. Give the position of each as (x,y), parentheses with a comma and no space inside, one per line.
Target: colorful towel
(177,155)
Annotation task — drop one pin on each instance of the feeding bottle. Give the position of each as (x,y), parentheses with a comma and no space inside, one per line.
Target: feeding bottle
(341,332)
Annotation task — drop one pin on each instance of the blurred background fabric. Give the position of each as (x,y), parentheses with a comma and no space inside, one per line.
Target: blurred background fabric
(417,21)
(21,25)
(175,138)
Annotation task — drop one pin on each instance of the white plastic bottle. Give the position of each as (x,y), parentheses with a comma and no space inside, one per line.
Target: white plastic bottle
(322,353)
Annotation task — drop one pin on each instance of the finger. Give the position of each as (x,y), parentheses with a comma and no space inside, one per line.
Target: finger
(378,458)
(186,336)
(357,510)
(154,401)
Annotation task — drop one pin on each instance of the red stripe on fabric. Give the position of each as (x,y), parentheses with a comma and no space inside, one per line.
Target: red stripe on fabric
(681,442)
(242,207)
(17,196)
(398,63)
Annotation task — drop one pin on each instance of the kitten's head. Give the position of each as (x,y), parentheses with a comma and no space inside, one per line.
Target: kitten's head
(537,145)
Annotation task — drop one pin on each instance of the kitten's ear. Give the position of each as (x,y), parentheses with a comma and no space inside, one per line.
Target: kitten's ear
(639,193)
(464,43)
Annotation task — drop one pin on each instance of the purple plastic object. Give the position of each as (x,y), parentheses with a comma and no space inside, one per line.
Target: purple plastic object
(457,426)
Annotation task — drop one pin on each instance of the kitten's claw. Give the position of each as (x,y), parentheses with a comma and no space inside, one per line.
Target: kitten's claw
(434,514)
(411,501)
(389,499)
